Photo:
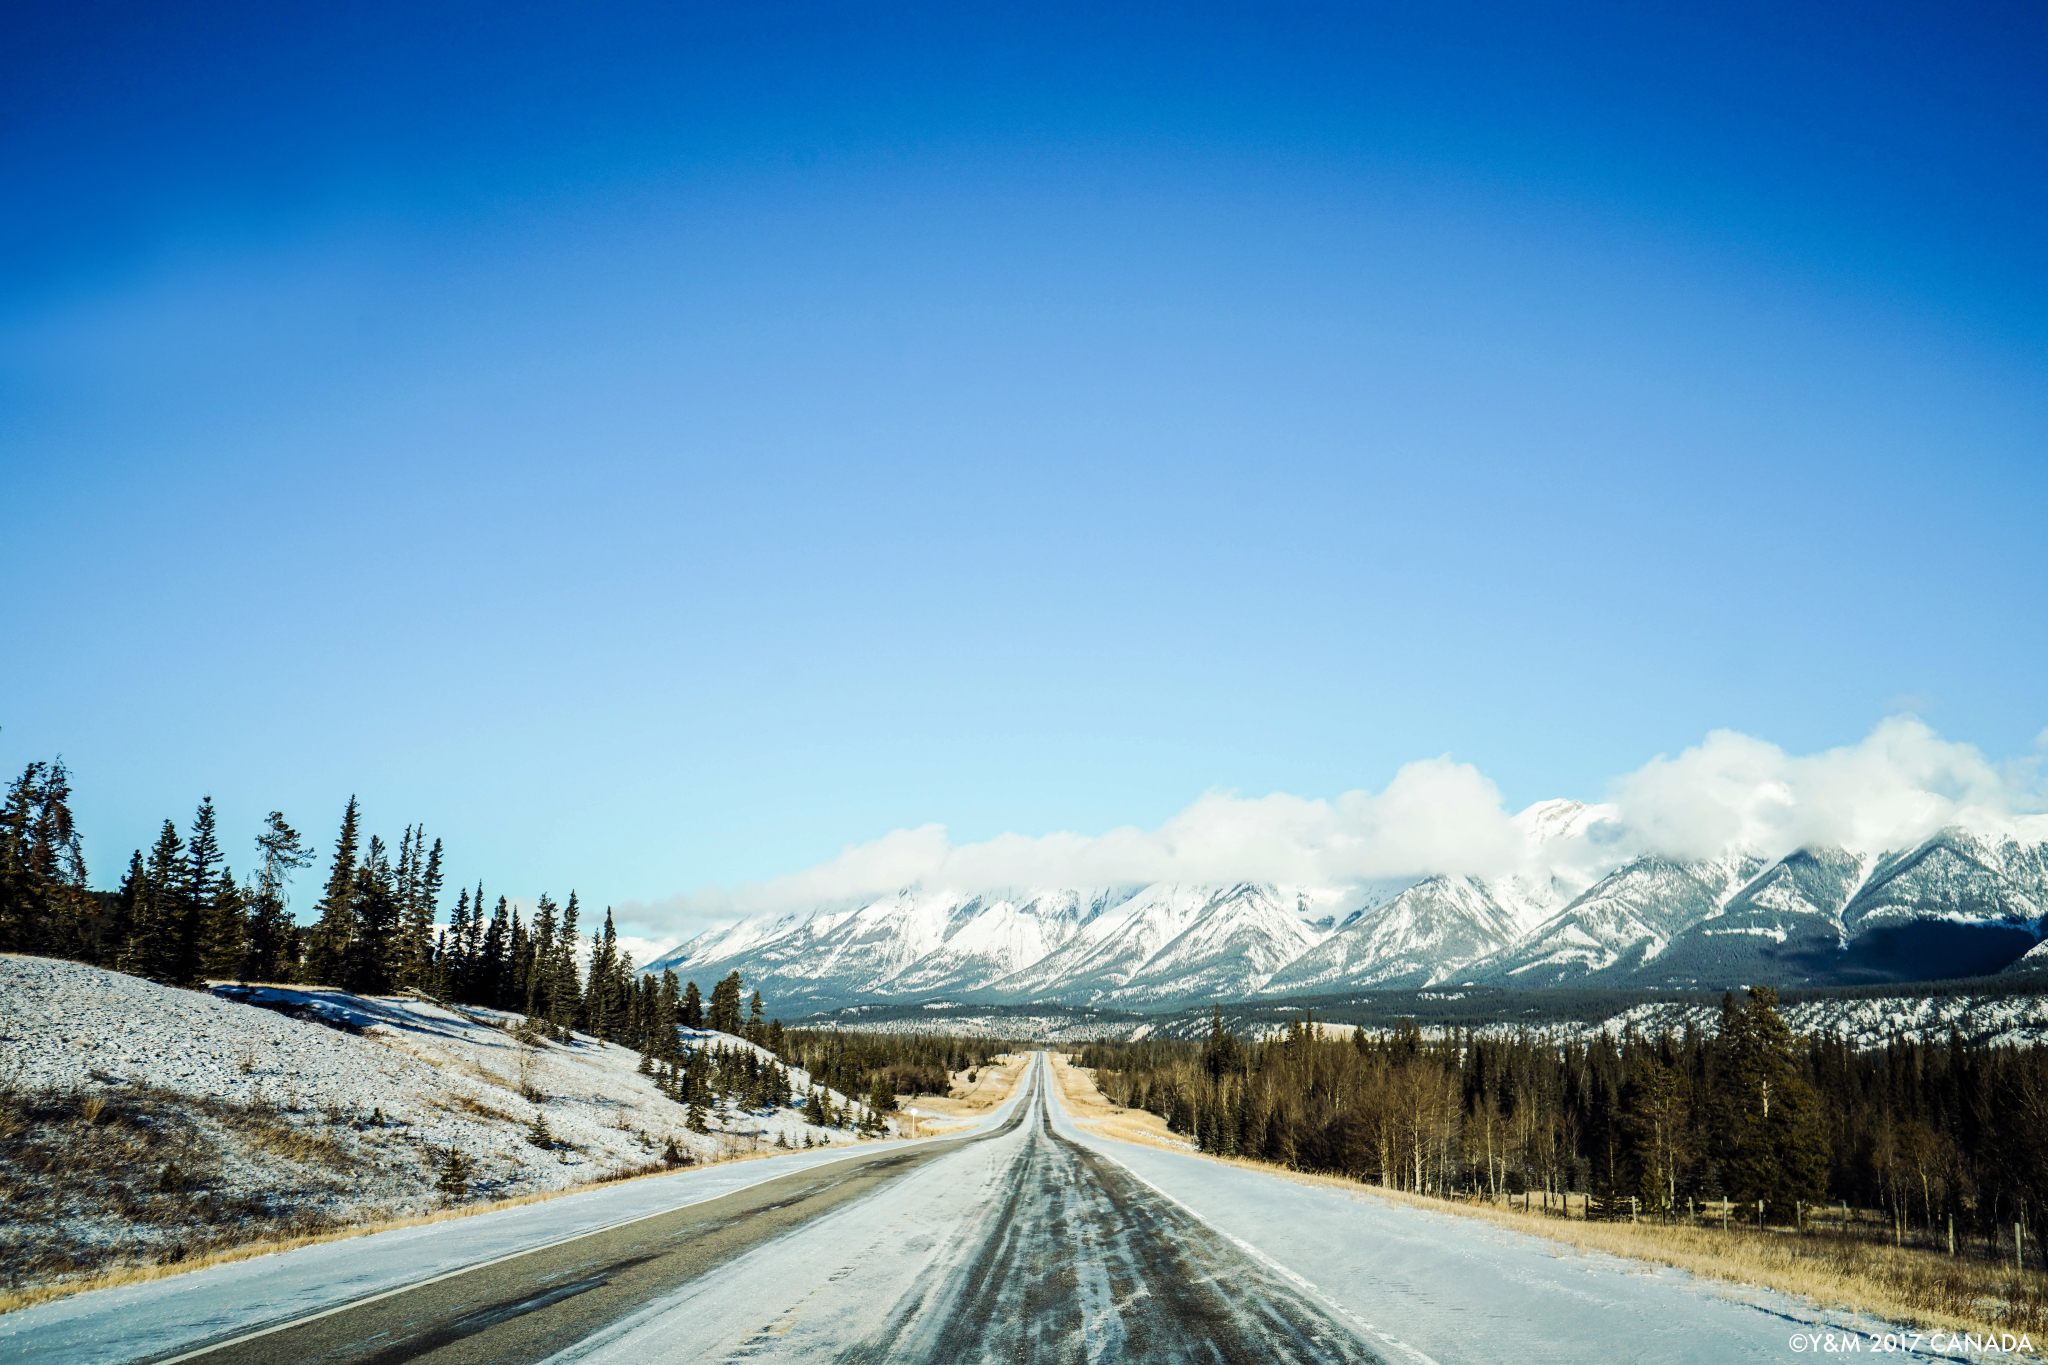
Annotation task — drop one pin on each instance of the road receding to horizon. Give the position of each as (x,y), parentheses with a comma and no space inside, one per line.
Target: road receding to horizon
(1022,1239)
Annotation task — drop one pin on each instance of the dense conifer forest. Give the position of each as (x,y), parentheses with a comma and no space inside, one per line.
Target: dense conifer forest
(1935,1134)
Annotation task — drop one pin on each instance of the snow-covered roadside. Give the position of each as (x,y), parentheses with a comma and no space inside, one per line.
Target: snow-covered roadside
(1442,1288)
(145,1124)
(149,1319)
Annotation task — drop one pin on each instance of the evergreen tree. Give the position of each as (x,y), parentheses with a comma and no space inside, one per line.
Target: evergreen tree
(757,1020)
(538,969)
(667,1013)
(195,894)
(418,895)
(724,1014)
(494,957)
(454,1175)
(453,978)
(273,938)
(692,1016)
(882,1099)
(45,906)
(602,1007)
(1773,1147)
(121,923)
(370,962)
(224,944)
(329,940)
(22,925)
(152,949)
(564,986)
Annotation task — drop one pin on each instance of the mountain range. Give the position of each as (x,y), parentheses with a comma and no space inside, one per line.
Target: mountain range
(1957,904)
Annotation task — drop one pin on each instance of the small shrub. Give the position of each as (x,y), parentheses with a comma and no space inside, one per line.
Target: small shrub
(454,1176)
(539,1134)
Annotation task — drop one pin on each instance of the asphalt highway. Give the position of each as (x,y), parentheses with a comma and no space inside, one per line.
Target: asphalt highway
(1016,1245)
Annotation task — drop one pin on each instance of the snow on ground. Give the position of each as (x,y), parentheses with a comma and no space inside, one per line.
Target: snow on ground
(1999,1020)
(1436,1287)
(279,1124)
(147,1320)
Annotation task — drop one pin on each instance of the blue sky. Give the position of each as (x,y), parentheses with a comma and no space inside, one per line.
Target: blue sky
(660,446)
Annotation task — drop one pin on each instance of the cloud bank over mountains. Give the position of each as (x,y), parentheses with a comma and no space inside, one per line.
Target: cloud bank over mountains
(1731,792)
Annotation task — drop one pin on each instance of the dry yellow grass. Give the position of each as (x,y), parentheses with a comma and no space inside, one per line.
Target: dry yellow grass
(1087,1106)
(1901,1285)
(992,1084)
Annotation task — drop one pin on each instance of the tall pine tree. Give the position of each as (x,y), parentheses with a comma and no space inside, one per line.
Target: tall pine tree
(273,949)
(153,949)
(330,937)
(370,962)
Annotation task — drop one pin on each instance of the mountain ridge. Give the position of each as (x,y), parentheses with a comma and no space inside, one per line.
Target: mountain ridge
(1957,903)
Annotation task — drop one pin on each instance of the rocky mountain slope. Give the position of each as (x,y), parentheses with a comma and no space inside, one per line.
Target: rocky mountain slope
(1957,904)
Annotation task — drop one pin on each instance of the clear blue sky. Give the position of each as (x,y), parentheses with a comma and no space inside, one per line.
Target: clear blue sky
(657,445)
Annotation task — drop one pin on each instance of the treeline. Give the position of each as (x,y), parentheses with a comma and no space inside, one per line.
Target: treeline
(885,1065)
(181,916)
(1748,1113)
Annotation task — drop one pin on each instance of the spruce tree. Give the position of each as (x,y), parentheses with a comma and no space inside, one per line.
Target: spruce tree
(329,939)
(539,968)
(693,1008)
(419,893)
(152,949)
(757,1020)
(1773,1146)
(601,1005)
(666,1014)
(121,922)
(45,906)
(196,892)
(369,963)
(723,1016)
(224,946)
(453,982)
(494,957)
(273,937)
(564,987)
(454,1175)
(22,925)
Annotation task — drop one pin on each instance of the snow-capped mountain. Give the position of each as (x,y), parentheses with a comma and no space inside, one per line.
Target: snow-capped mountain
(1429,929)
(1624,921)
(1958,904)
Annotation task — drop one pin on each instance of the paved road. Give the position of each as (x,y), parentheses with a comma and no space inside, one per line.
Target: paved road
(1018,1245)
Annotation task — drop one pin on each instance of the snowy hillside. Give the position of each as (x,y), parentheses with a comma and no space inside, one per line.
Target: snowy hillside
(1575,911)
(177,1119)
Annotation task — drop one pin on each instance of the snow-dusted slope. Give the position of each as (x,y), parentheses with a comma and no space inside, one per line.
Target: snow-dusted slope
(1110,949)
(276,1123)
(1625,920)
(1235,942)
(1437,925)
(1956,876)
(1784,927)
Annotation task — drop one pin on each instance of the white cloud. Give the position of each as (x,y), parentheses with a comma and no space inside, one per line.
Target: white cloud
(1896,786)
